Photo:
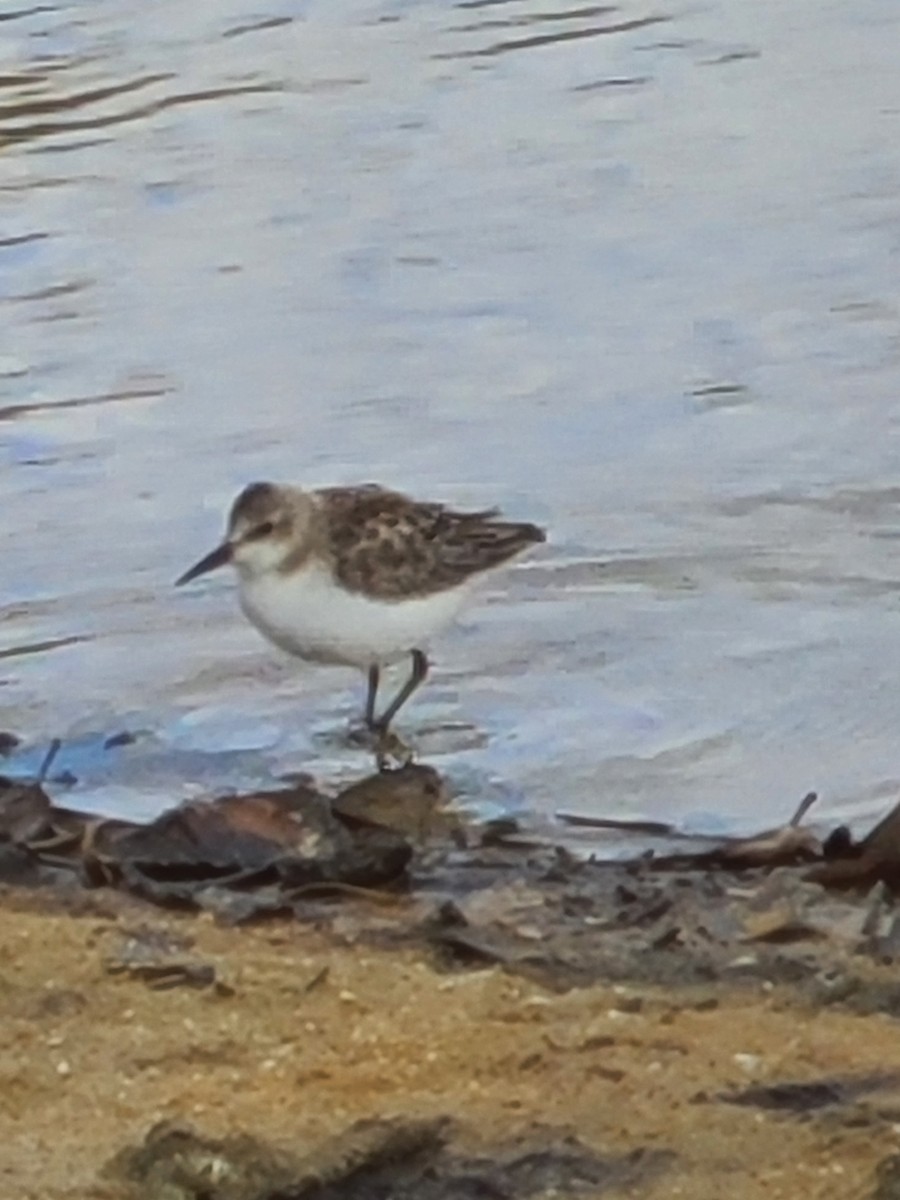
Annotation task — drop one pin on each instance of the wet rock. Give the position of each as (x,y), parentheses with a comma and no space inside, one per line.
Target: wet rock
(287,839)
(412,801)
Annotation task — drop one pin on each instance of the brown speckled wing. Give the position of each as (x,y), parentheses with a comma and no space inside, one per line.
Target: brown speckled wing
(389,546)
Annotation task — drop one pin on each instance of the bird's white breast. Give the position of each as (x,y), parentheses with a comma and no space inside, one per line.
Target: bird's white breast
(308,614)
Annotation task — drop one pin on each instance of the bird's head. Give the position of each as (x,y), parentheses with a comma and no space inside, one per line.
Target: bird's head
(269,527)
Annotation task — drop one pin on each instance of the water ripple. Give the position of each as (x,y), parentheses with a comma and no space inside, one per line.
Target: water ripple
(534,18)
(36,9)
(10,411)
(549,39)
(42,129)
(42,647)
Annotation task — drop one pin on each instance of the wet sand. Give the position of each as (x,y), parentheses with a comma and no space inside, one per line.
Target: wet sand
(310,1029)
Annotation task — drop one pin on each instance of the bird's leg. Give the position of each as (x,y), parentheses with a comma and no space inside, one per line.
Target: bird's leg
(417,676)
(388,744)
(371,695)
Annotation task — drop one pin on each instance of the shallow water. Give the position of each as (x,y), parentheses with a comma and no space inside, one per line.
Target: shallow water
(630,271)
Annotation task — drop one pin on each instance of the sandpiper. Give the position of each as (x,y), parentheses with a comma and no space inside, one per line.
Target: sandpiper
(358,576)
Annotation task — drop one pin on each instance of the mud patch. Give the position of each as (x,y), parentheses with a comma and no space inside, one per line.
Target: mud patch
(801,1099)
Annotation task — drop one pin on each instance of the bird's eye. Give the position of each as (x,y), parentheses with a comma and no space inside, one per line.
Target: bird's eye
(260,531)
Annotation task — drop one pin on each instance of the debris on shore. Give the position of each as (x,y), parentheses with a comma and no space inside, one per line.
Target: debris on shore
(423,1007)
(406,1159)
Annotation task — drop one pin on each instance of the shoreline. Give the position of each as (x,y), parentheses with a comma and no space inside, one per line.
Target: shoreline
(696,1032)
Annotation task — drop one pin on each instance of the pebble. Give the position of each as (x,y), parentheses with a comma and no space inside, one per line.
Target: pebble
(748,1062)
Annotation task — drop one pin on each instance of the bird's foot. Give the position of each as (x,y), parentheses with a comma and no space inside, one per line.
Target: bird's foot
(390,750)
(388,747)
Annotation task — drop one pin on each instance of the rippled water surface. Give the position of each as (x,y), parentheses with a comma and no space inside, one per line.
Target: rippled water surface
(630,270)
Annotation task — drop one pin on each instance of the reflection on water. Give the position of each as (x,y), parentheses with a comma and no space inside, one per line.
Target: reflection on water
(627,270)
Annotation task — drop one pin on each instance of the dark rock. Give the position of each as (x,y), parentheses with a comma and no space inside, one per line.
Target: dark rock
(8,743)
(397,1159)
(175,1163)
(887,1179)
(800,1098)
(124,738)
(161,960)
(875,859)
(287,839)
(25,810)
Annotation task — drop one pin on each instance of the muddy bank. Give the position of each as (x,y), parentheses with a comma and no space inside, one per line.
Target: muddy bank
(507,1020)
(310,1031)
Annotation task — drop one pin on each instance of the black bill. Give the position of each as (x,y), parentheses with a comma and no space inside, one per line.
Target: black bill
(216,558)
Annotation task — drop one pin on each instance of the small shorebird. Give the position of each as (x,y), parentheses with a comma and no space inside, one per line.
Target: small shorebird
(358,576)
